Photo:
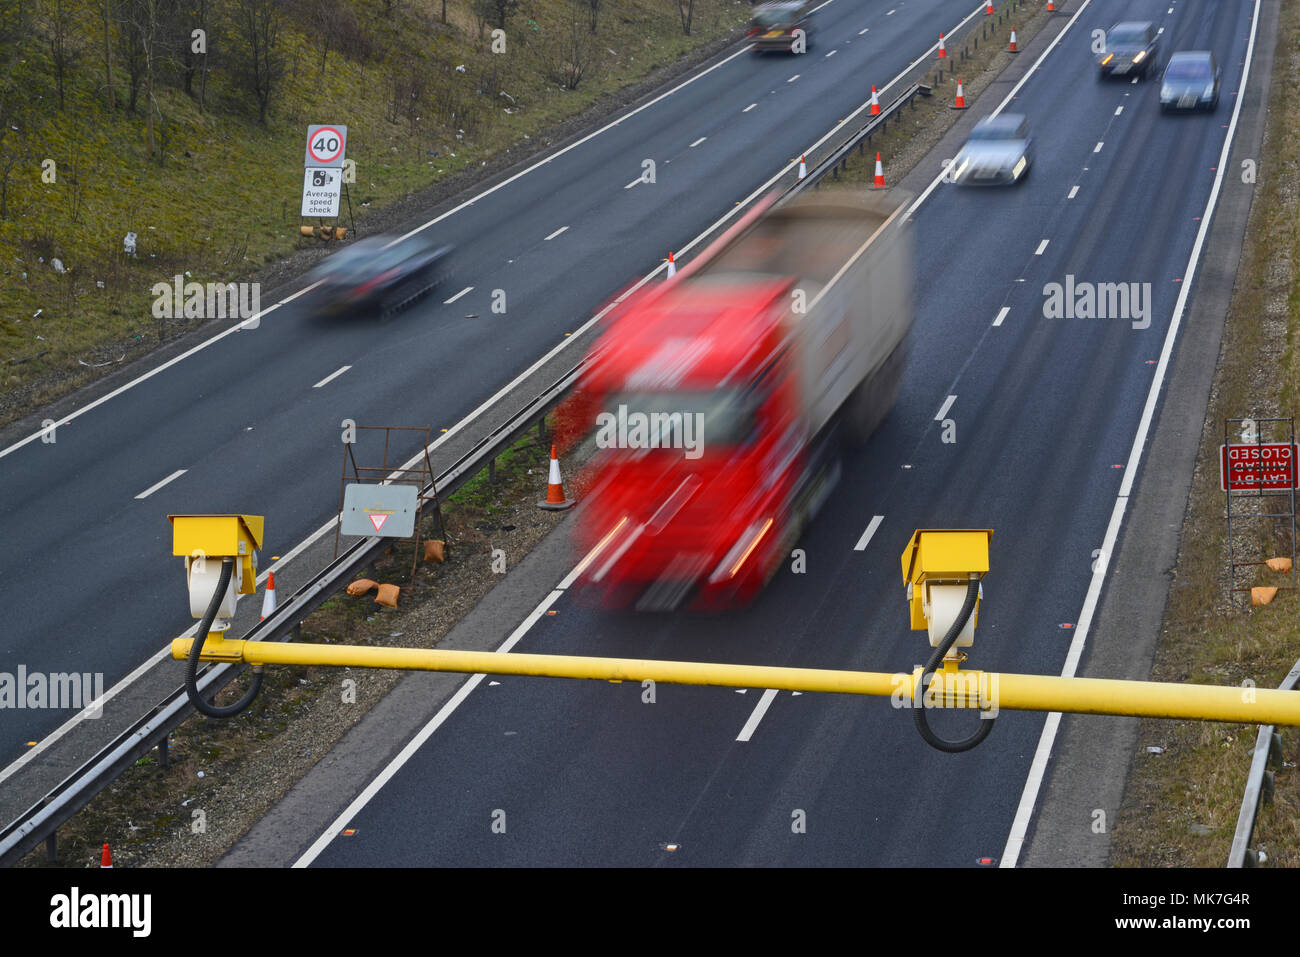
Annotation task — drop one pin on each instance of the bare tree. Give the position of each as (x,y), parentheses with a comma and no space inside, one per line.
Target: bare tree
(594,7)
(260,62)
(686,10)
(106,17)
(57,30)
(496,11)
(130,45)
(572,54)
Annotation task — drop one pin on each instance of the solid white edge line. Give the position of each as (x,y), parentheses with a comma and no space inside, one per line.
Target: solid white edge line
(412,746)
(487,403)
(756,715)
(333,375)
(867,535)
(157,485)
(943,409)
(1029,796)
(448,302)
(556,233)
(1002,314)
(934,183)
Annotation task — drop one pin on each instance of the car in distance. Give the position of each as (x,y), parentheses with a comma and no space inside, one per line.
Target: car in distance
(371,276)
(998,152)
(773,25)
(1191,82)
(1131,48)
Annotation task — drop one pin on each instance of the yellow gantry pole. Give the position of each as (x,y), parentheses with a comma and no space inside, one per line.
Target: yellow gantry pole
(989,691)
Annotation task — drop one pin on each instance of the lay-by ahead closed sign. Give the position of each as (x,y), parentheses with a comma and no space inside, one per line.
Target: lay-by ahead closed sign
(1257,467)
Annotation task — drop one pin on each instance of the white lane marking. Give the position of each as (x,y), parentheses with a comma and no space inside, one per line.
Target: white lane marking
(1074,190)
(157,485)
(890,13)
(1133,82)
(863,30)
(793,78)
(832,53)
(333,375)
(1170,10)
(417,742)
(934,183)
(328,526)
(748,108)
(756,715)
(943,409)
(556,233)
(1029,796)
(633,183)
(1041,247)
(1002,314)
(861,546)
(1119,110)
(1097,148)
(448,302)
(698,142)
(153,372)
(1160,31)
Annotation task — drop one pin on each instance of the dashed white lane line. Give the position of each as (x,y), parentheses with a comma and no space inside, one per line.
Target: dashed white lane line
(890,13)
(866,536)
(756,715)
(698,142)
(864,30)
(1074,191)
(556,233)
(943,409)
(1119,110)
(793,78)
(1002,314)
(748,108)
(1041,247)
(333,375)
(448,302)
(1100,144)
(157,485)
(1160,31)
(633,183)
(832,53)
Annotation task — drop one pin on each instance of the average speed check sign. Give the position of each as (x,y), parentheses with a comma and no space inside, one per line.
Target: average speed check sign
(326,145)
(321,187)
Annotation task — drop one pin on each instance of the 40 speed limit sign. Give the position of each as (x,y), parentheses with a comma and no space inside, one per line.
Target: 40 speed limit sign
(326,146)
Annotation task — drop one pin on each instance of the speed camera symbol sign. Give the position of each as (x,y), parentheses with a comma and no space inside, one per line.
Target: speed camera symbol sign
(326,145)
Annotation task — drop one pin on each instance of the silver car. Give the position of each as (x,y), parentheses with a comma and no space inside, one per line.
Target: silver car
(998,152)
(1191,82)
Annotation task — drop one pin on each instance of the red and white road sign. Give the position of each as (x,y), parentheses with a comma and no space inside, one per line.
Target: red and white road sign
(1257,467)
(378,520)
(326,145)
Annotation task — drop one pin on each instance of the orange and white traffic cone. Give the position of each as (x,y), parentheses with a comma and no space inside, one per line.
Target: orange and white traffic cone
(961,99)
(555,500)
(1013,48)
(880,174)
(942,54)
(1051,7)
(988,9)
(105,858)
(672,266)
(268,600)
(803,166)
(875,102)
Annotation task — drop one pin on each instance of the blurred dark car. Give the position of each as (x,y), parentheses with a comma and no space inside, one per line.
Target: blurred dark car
(368,278)
(998,152)
(772,25)
(1131,48)
(1191,82)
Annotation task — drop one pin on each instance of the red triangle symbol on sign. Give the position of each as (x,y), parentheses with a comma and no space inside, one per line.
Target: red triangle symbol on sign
(378,521)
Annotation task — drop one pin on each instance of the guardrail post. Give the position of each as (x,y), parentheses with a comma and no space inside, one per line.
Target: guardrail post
(1266,788)
(1275,749)
(52,847)
(541,430)
(492,470)
(164,751)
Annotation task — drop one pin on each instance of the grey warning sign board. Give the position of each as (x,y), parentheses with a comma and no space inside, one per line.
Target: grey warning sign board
(387,511)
